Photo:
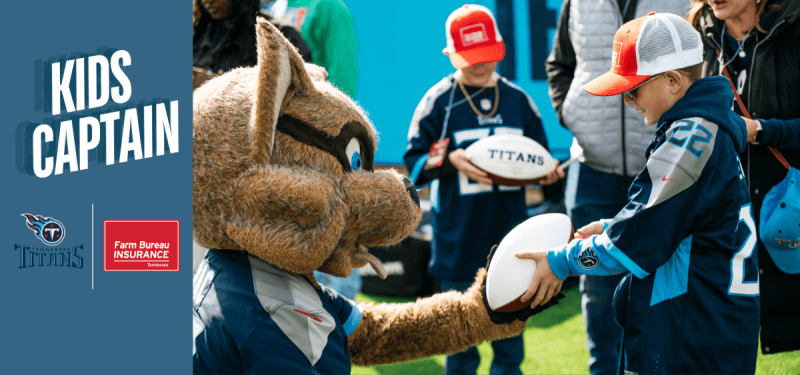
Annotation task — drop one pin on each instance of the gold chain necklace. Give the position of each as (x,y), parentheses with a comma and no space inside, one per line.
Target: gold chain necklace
(475,109)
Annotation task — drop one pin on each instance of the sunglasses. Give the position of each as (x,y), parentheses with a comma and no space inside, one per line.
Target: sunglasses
(631,94)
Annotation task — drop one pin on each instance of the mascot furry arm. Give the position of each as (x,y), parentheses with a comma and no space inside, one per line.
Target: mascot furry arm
(283,180)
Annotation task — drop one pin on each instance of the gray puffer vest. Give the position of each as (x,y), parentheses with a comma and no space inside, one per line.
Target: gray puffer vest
(613,136)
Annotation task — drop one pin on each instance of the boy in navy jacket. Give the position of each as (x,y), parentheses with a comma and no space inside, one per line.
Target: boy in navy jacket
(687,235)
(469,213)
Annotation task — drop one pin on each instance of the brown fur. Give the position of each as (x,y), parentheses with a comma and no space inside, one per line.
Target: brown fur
(296,206)
(444,323)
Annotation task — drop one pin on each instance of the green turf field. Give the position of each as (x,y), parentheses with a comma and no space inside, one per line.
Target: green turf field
(554,343)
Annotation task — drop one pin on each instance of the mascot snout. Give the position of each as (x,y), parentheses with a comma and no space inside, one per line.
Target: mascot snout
(383,208)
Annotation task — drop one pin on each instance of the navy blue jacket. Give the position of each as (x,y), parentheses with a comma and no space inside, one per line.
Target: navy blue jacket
(251,317)
(688,236)
(468,218)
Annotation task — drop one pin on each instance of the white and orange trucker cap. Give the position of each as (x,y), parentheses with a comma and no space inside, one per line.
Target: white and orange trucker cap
(648,45)
(473,37)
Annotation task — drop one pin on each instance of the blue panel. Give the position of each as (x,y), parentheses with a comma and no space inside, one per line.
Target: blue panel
(541,19)
(352,322)
(435,196)
(672,278)
(504,15)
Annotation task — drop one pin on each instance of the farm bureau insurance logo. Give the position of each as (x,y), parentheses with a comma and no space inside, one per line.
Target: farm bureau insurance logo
(51,232)
(141,245)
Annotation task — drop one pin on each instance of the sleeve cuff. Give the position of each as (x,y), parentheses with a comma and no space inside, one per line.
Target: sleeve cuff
(558,260)
(613,251)
(767,127)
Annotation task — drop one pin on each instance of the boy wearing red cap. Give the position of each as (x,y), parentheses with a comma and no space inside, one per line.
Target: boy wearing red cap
(687,235)
(469,213)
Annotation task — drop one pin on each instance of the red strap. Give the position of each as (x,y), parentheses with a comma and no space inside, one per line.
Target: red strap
(775,152)
(780,157)
(736,94)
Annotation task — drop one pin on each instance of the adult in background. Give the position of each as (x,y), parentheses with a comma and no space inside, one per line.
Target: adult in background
(759,42)
(469,213)
(612,137)
(224,36)
(327,26)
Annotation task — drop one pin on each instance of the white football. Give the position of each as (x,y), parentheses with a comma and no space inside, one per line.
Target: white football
(508,276)
(511,159)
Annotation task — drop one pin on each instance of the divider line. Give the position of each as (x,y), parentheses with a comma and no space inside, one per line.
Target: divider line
(92,246)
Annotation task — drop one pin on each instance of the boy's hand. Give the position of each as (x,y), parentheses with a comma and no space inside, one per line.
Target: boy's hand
(554,175)
(461,161)
(547,283)
(589,230)
(510,317)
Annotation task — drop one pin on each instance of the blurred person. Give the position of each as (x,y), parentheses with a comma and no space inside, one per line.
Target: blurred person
(327,26)
(611,136)
(759,43)
(469,213)
(224,36)
(690,300)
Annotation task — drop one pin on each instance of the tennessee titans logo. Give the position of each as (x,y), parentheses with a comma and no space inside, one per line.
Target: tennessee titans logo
(587,259)
(47,229)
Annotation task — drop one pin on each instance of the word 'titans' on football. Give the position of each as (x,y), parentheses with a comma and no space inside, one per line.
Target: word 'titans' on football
(518,157)
(93,90)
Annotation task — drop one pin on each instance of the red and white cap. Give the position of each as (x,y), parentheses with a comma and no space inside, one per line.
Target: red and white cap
(655,43)
(473,37)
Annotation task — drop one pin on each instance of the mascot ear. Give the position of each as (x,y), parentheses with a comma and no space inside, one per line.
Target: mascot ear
(279,67)
(317,73)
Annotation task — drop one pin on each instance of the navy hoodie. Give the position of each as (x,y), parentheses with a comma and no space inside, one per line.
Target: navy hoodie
(687,236)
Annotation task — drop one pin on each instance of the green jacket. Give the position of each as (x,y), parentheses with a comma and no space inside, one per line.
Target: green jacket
(327,27)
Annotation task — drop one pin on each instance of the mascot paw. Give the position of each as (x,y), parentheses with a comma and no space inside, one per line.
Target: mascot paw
(509,317)
(521,315)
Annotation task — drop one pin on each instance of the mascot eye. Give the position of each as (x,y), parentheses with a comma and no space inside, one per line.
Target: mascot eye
(353,153)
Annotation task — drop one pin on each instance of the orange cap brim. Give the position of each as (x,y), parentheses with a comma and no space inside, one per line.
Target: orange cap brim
(465,59)
(612,83)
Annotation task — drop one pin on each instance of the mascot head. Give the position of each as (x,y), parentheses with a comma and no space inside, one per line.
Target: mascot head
(283,168)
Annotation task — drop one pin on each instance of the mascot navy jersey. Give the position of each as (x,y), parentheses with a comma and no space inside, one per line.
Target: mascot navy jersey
(246,309)
(688,237)
(469,217)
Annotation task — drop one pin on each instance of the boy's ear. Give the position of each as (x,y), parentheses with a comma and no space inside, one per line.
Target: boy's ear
(677,82)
